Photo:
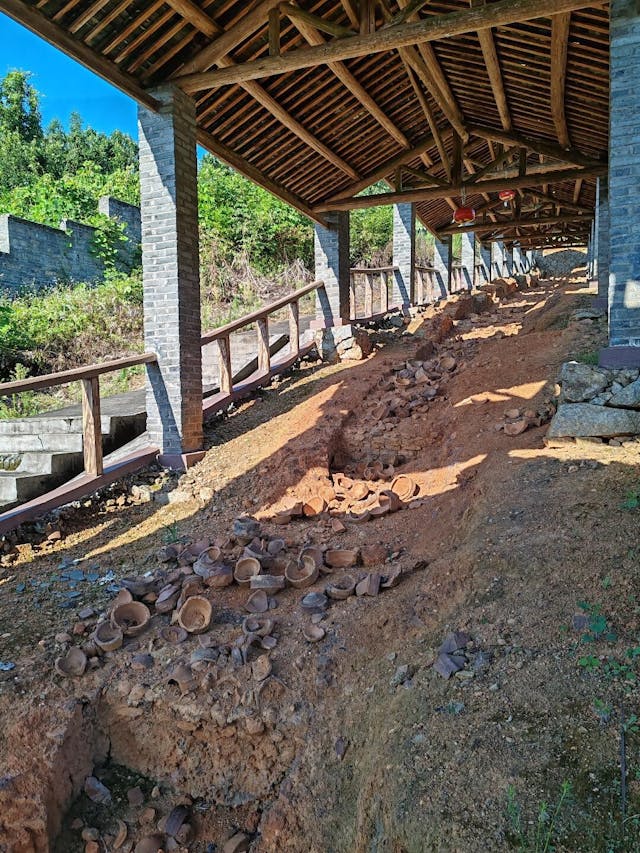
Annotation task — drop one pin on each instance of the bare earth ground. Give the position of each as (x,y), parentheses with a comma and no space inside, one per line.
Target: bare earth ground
(342,750)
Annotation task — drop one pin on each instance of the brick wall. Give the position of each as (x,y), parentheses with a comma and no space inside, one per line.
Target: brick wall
(35,255)
(331,249)
(404,253)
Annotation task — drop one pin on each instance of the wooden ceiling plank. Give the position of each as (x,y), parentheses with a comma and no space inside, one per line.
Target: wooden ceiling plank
(403,35)
(559,47)
(132,26)
(494,185)
(143,37)
(108,18)
(64,10)
(86,16)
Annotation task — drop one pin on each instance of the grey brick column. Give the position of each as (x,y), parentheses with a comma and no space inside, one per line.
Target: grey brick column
(602,249)
(332,267)
(508,261)
(497,259)
(595,231)
(442,267)
(169,207)
(404,254)
(484,258)
(623,179)
(468,258)
(517,260)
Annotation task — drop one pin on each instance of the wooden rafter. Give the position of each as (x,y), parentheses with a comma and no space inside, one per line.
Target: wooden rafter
(508,224)
(544,149)
(403,35)
(559,45)
(495,76)
(493,185)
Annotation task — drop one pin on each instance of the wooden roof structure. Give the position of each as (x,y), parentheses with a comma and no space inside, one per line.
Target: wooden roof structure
(448,101)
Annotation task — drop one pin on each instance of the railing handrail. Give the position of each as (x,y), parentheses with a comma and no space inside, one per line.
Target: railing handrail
(260,314)
(424,268)
(358,270)
(64,377)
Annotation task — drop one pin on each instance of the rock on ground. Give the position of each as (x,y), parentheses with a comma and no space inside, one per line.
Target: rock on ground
(584,419)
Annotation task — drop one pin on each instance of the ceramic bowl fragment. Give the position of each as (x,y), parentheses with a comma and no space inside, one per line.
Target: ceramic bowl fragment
(120,835)
(219,576)
(123,597)
(341,558)
(270,583)
(316,553)
(206,560)
(245,529)
(302,574)
(390,577)
(269,642)
(314,506)
(259,625)
(150,844)
(313,633)
(315,602)
(246,568)
(72,664)
(107,637)
(195,614)
(173,634)
(275,546)
(131,618)
(341,587)
(358,517)
(182,675)
(176,817)
(369,585)
(257,602)
(404,487)
(138,586)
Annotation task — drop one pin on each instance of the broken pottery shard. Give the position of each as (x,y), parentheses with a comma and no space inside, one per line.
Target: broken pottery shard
(175,819)
(370,585)
(447,664)
(238,843)
(341,746)
(513,428)
(268,582)
(453,641)
(96,791)
(584,419)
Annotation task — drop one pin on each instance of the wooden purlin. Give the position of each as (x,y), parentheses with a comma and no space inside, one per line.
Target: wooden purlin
(559,46)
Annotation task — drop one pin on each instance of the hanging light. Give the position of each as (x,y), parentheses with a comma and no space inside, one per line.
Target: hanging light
(506,196)
(464,215)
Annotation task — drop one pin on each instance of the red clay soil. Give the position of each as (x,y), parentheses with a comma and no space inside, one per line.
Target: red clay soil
(355,743)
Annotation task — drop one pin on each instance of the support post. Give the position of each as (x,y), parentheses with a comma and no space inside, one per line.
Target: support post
(442,267)
(623,204)
(169,208)
(92,427)
(602,249)
(497,259)
(508,261)
(294,327)
(224,365)
(484,264)
(404,255)
(332,267)
(468,259)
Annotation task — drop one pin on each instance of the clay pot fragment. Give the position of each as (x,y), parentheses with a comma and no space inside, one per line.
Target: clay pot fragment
(258,602)
(342,558)
(195,614)
(514,428)
(257,625)
(73,664)
(245,529)
(303,574)
(359,491)
(219,576)
(313,633)
(404,487)
(270,583)
(173,634)
(448,363)
(206,561)
(246,568)
(175,819)
(138,586)
(275,546)
(167,598)
(261,668)
(268,642)
(238,843)
(370,585)
(123,597)
(373,555)
(390,577)
(314,506)
(394,501)
(315,602)
(120,835)
(182,675)
(150,844)
(107,637)
(131,618)
(358,517)
(341,588)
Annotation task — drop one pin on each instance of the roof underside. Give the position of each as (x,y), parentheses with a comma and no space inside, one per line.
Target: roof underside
(529,96)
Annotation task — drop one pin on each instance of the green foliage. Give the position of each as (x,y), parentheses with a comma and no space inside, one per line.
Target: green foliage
(598,627)
(20,405)
(632,500)
(371,236)
(589,357)
(538,835)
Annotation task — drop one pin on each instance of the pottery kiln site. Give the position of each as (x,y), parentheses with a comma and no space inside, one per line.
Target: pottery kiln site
(392,608)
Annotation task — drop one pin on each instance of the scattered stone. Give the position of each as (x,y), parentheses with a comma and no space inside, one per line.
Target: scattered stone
(373,555)
(585,419)
(401,675)
(135,796)
(341,745)
(454,641)
(581,382)
(626,397)
(90,833)
(238,843)
(96,791)
(446,665)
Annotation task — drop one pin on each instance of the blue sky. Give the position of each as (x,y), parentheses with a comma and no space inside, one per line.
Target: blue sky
(65,84)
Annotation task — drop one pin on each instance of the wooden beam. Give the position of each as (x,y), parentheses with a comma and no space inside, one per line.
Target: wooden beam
(426,109)
(274,32)
(493,185)
(414,60)
(313,37)
(224,153)
(367,16)
(498,162)
(295,14)
(56,35)
(545,149)
(510,224)
(577,190)
(579,208)
(429,29)
(559,45)
(492,65)
(351,11)
(191,12)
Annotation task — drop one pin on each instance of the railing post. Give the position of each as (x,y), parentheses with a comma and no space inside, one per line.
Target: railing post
(91,427)
(224,365)
(294,327)
(368,295)
(352,295)
(384,292)
(264,358)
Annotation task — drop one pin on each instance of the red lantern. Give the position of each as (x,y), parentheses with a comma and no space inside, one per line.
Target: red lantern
(506,196)
(464,215)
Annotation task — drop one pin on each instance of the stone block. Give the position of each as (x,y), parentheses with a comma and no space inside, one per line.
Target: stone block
(581,382)
(584,419)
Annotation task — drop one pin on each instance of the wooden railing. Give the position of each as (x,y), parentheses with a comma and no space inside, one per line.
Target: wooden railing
(265,369)
(89,378)
(426,289)
(456,282)
(376,293)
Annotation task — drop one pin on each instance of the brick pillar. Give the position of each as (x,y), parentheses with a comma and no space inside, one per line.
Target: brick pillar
(517,260)
(595,231)
(468,258)
(442,267)
(404,254)
(623,205)
(601,249)
(169,208)
(508,261)
(484,264)
(332,267)
(497,259)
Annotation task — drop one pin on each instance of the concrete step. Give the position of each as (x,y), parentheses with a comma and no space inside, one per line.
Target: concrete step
(64,435)
(31,462)
(16,488)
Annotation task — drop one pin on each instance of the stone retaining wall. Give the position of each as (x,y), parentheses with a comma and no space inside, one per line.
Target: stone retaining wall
(36,256)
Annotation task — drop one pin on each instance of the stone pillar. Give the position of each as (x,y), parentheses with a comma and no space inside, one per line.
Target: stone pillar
(602,248)
(332,267)
(595,231)
(442,267)
(169,209)
(497,259)
(484,258)
(404,255)
(468,258)
(508,261)
(517,260)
